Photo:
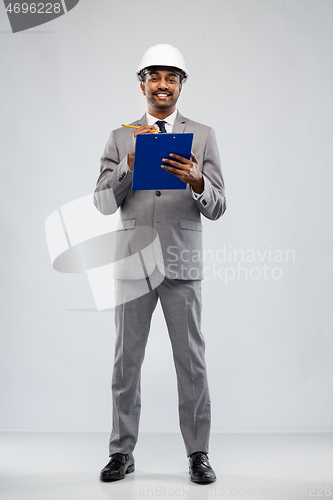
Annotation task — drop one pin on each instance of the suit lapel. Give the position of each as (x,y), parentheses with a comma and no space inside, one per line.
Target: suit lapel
(179,125)
(142,121)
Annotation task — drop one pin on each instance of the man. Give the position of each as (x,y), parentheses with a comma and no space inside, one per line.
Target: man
(175,216)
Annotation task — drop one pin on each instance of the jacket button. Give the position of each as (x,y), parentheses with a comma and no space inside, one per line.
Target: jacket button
(158,193)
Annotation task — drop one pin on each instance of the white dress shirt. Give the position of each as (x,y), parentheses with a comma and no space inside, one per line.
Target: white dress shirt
(169,121)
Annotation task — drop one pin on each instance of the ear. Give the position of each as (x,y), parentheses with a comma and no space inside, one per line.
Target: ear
(143,88)
(180,87)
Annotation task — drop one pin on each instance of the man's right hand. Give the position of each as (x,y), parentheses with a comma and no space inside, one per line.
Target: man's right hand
(145,129)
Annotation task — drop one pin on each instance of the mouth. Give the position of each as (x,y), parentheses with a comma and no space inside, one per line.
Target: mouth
(162,95)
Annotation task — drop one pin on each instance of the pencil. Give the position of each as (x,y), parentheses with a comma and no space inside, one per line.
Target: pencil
(133,126)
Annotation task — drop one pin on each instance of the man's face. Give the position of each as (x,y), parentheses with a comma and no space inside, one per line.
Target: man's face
(162,89)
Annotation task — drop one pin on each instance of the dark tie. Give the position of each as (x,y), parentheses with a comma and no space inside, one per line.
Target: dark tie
(161,126)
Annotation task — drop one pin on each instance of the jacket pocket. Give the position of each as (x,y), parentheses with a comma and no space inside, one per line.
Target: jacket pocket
(192,225)
(126,224)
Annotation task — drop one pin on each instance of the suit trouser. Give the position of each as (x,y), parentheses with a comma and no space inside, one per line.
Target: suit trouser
(181,304)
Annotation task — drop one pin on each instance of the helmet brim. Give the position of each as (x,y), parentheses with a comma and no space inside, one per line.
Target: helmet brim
(150,69)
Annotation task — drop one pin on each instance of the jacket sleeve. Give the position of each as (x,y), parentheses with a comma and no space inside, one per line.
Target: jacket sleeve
(114,181)
(212,202)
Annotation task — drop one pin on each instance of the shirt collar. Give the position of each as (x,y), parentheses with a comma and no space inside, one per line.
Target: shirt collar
(169,119)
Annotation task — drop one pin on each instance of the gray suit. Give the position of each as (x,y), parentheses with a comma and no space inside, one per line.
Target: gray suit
(175,216)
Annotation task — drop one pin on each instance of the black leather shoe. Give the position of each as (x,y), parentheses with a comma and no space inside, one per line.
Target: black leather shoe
(200,469)
(118,466)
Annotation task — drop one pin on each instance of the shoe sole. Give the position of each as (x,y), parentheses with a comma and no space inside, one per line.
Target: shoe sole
(203,481)
(129,469)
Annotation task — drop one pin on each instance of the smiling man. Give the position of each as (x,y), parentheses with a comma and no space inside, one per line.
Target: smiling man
(175,215)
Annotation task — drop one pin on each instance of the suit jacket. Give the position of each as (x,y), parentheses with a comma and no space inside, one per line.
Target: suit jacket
(174,215)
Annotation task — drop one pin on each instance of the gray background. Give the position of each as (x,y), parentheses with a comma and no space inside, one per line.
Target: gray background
(261,75)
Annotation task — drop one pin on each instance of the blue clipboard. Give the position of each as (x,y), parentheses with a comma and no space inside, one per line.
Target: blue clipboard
(149,151)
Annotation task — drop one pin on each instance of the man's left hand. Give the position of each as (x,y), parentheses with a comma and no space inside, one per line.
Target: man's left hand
(186,170)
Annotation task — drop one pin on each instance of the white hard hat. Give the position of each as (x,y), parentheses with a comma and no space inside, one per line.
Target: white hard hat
(163,54)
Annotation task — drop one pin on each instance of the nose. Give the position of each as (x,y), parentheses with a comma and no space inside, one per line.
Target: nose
(162,84)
